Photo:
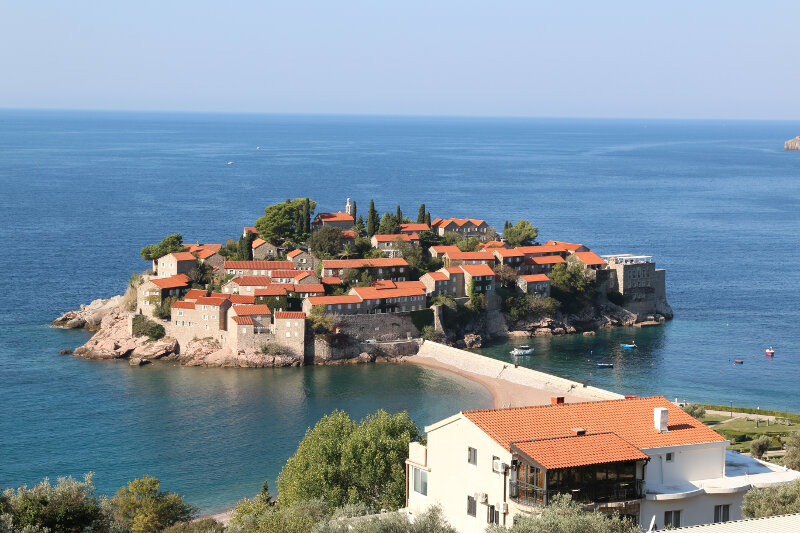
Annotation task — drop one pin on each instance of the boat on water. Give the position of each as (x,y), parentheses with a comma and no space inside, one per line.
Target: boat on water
(605,365)
(770,351)
(738,362)
(522,350)
(628,346)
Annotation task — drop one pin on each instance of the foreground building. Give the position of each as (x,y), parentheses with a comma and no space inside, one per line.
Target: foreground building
(644,458)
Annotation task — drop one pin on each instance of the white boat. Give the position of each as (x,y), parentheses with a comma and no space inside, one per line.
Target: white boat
(522,350)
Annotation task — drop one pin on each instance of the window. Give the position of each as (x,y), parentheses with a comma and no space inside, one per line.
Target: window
(420,481)
(472,457)
(492,515)
(722,513)
(672,519)
(288,333)
(472,507)
(670,457)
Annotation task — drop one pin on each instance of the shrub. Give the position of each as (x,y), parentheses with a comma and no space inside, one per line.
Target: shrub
(163,310)
(143,508)
(431,521)
(792,457)
(422,318)
(273,348)
(204,525)
(144,327)
(760,446)
(430,334)
(770,501)
(695,410)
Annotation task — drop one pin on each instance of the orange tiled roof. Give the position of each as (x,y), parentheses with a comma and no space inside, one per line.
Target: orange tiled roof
(444,249)
(532,278)
(465,256)
(453,270)
(373,293)
(545,260)
(492,244)
(240,298)
(332,280)
(197,247)
(259,265)
(252,281)
(443,223)
(271,290)
(248,310)
(332,300)
(183,256)
(349,234)
(590,258)
(258,242)
(172,282)
(210,301)
(579,450)
(293,274)
(414,227)
(359,263)
(570,246)
(335,217)
(290,314)
(294,252)
(389,237)
(204,253)
(541,249)
(384,284)
(183,305)
(410,285)
(309,287)
(243,320)
(194,294)
(630,419)
(251,229)
(437,276)
(507,252)
(477,270)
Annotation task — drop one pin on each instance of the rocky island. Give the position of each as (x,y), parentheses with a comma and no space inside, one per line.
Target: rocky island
(792,144)
(340,289)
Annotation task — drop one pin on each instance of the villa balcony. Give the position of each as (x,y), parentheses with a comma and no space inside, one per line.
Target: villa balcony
(588,494)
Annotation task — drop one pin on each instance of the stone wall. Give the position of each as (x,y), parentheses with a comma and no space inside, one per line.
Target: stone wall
(388,326)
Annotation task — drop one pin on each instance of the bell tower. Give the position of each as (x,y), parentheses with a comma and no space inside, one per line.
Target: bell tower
(348,208)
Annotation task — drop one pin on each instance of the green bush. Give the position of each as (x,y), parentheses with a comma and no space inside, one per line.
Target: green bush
(760,446)
(163,310)
(144,327)
(204,525)
(770,501)
(142,508)
(422,318)
(695,410)
(430,334)
(273,348)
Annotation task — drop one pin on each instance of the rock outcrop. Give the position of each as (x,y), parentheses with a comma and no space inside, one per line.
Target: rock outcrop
(88,316)
(792,144)
(114,341)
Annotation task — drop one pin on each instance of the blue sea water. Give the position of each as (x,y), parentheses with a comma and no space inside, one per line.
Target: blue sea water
(716,203)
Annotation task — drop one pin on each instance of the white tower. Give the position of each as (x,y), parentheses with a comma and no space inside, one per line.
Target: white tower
(348,208)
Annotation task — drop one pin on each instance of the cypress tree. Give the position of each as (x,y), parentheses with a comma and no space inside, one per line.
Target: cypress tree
(428,218)
(355,211)
(306,216)
(399,215)
(372,219)
(421,214)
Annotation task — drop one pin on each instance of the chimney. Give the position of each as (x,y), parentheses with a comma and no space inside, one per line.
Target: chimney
(579,431)
(556,400)
(661,418)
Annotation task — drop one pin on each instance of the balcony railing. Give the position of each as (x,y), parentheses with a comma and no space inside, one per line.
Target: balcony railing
(530,495)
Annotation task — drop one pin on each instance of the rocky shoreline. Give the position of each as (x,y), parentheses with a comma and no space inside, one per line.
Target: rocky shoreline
(792,144)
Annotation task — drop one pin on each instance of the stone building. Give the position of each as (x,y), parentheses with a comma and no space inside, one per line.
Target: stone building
(264,250)
(466,227)
(535,284)
(255,268)
(290,331)
(395,269)
(388,244)
(205,317)
(174,264)
(154,291)
(642,285)
(303,260)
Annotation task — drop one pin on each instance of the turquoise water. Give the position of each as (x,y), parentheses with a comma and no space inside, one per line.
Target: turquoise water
(716,203)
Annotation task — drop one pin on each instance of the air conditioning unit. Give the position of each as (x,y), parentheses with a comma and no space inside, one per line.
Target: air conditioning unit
(481,497)
(499,466)
(502,507)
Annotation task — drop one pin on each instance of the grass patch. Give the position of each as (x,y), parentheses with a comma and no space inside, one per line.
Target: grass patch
(749,410)
(711,420)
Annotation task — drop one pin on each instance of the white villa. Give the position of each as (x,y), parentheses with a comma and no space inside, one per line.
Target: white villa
(642,457)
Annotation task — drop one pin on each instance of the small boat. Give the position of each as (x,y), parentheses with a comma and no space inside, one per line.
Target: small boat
(738,362)
(770,351)
(628,346)
(230,162)
(522,350)
(605,365)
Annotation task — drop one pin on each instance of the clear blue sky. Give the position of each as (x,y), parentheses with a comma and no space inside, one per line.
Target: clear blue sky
(674,59)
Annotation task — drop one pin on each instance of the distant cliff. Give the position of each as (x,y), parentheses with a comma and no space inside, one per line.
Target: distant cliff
(792,144)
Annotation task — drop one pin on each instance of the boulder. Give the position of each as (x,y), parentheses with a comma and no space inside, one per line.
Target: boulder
(65,352)
(473,340)
(138,361)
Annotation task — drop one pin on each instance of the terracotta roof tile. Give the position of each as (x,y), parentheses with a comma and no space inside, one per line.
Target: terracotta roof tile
(252,281)
(240,298)
(478,270)
(444,249)
(210,301)
(259,265)
(373,293)
(251,229)
(290,314)
(437,276)
(172,282)
(384,262)
(294,252)
(194,294)
(258,242)
(332,280)
(582,450)
(271,290)
(541,249)
(569,246)
(443,223)
(465,256)
(414,227)
(393,237)
(204,253)
(183,256)
(334,217)
(630,419)
(532,278)
(248,310)
(590,258)
(309,287)
(544,260)
(183,305)
(243,320)
(332,300)
(507,252)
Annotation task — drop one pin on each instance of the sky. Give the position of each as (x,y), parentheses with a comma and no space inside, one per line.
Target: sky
(638,59)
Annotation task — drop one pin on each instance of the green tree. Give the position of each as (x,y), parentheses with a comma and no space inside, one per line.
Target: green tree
(69,506)
(771,501)
(523,233)
(200,275)
(421,214)
(354,211)
(372,220)
(506,275)
(792,457)
(695,410)
(563,515)
(143,508)
(760,446)
(469,244)
(359,228)
(163,309)
(204,525)
(342,462)
(572,285)
(431,521)
(327,242)
(389,225)
(428,218)
(258,516)
(306,216)
(285,221)
(171,243)
(399,215)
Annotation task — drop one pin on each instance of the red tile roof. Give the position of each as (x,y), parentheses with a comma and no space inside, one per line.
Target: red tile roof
(478,270)
(348,234)
(532,278)
(290,314)
(258,242)
(332,280)
(334,217)
(414,227)
(373,293)
(197,247)
(249,310)
(243,320)
(443,223)
(444,249)
(332,300)
(252,281)
(294,253)
(194,294)
(309,287)
(172,282)
(393,237)
(183,256)
(492,244)
(453,270)
(251,229)
(545,260)
(473,256)
(571,246)
(271,290)
(590,258)
(204,253)
(183,305)
(210,301)
(630,419)
(410,285)
(239,298)
(541,249)
(359,263)
(507,252)
(581,450)
(437,276)
(259,265)
(293,274)
(384,284)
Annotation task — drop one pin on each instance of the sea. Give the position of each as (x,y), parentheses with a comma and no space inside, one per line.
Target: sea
(715,203)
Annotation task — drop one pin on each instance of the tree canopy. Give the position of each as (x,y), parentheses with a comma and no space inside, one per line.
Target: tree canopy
(327,242)
(144,508)
(389,224)
(171,243)
(289,220)
(340,461)
(771,501)
(523,233)
(373,221)
(572,285)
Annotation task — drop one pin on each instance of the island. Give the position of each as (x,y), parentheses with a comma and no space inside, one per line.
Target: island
(792,144)
(340,288)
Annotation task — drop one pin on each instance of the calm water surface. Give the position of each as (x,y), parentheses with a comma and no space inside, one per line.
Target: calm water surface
(716,203)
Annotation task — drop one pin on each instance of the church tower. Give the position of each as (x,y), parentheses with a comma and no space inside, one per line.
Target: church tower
(348,208)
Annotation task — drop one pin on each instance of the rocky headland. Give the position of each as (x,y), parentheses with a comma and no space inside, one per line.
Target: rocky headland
(792,144)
